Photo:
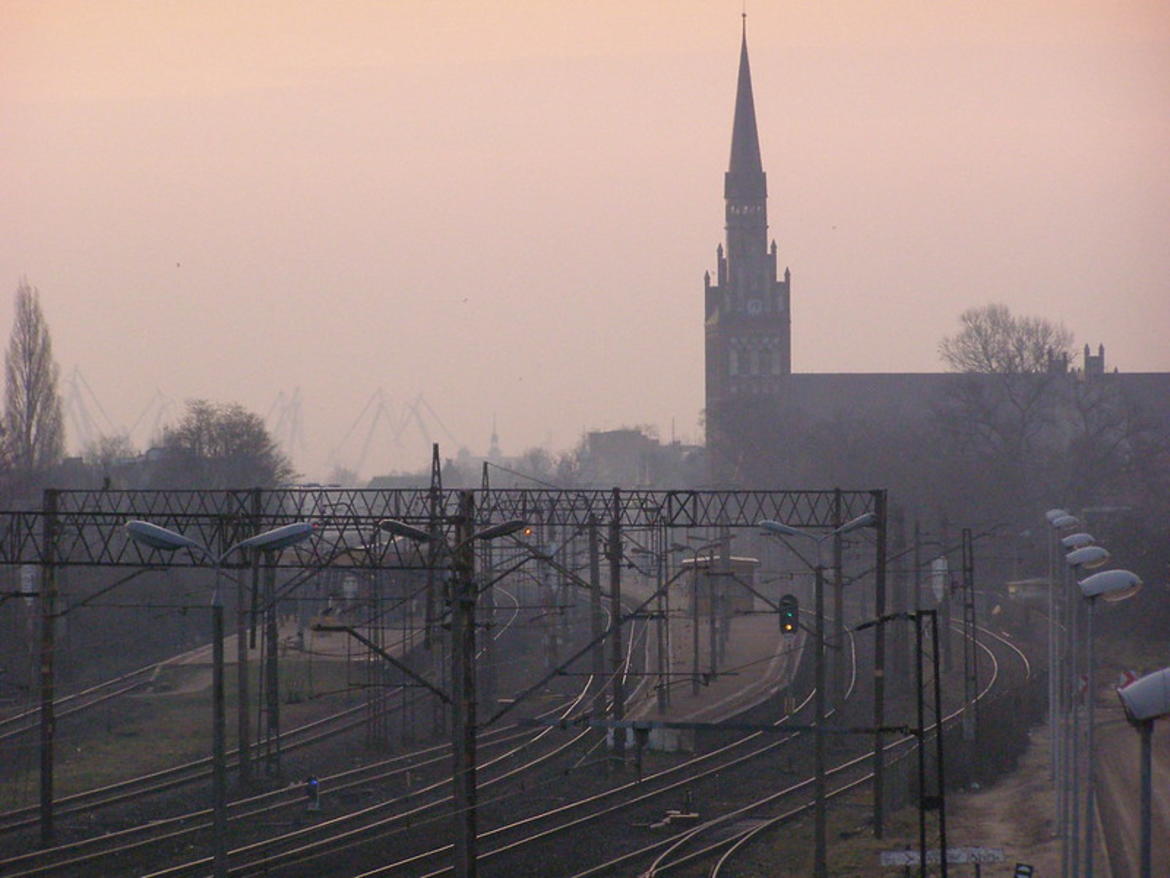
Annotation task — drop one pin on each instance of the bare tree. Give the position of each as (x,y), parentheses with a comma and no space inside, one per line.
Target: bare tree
(1005,411)
(34,426)
(106,451)
(992,340)
(221,446)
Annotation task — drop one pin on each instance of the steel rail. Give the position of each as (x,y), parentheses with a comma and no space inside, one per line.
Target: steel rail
(337,839)
(175,828)
(133,793)
(676,841)
(737,842)
(503,732)
(526,824)
(63,706)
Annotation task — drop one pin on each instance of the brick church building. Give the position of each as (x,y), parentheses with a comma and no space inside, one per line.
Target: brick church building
(768,426)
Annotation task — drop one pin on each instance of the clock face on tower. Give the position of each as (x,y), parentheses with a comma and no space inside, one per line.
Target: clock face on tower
(754,306)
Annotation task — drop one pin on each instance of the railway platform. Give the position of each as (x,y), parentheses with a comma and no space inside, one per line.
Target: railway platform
(754,662)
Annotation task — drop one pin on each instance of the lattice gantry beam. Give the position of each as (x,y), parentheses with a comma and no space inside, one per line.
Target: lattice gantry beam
(87,526)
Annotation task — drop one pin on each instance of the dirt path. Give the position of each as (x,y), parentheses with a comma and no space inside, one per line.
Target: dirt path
(1016,813)
(1119,796)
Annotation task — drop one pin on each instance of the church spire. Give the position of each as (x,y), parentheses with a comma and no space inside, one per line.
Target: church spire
(745,171)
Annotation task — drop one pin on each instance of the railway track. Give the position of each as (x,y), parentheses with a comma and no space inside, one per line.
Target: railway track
(90,802)
(551,839)
(535,843)
(22,723)
(722,840)
(420,776)
(519,769)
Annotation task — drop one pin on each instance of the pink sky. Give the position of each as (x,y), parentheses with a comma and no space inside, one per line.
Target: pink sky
(508,207)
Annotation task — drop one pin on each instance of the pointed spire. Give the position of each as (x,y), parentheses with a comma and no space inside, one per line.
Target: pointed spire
(745,140)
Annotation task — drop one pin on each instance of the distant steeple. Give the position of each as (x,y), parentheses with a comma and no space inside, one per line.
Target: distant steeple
(494,448)
(747,317)
(745,170)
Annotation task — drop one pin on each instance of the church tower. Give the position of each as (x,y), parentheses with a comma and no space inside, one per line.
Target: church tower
(748,327)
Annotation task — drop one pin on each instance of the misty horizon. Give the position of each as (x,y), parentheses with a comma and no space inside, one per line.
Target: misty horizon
(507,212)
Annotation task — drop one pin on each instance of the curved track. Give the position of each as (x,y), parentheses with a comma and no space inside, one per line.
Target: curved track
(535,843)
(714,839)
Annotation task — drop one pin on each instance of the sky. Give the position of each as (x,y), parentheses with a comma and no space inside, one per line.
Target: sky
(501,211)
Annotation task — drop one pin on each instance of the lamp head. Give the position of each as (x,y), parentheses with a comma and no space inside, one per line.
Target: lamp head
(1147,698)
(402,529)
(500,530)
(778,528)
(1113,585)
(1077,540)
(1087,557)
(157,537)
(279,537)
(1053,514)
(866,520)
(1065,522)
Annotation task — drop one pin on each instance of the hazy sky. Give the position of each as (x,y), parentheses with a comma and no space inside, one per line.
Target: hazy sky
(507,207)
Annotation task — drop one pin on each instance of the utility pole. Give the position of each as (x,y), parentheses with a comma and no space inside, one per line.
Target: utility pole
(490,670)
(716,589)
(970,659)
(879,667)
(838,604)
(219,857)
(271,678)
(615,594)
(901,647)
(662,636)
(48,722)
(431,631)
(597,619)
(945,603)
(695,621)
(463,599)
(820,856)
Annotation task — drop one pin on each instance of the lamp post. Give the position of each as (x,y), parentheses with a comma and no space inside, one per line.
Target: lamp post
(1112,585)
(1053,683)
(1069,742)
(1146,700)
(777,528)
(1063,747)
(162,539)
(463,690)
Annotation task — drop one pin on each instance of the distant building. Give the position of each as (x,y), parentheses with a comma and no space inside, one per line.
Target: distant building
(632,458)
(1060,437)
(746,310)
(770,427)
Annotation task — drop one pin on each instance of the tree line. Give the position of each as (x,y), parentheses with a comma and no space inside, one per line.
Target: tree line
(212,445)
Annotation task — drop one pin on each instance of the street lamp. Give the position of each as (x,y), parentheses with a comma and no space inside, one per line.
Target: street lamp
(463,695)
(1112,585)
(162,539)
(778,528)
(1146,700)
(1054,688)
(1077,541)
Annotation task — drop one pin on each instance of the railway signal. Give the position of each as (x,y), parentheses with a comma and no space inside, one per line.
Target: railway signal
(789,614)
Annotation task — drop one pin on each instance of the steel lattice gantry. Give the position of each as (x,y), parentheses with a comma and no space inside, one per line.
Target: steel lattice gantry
(84,528)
